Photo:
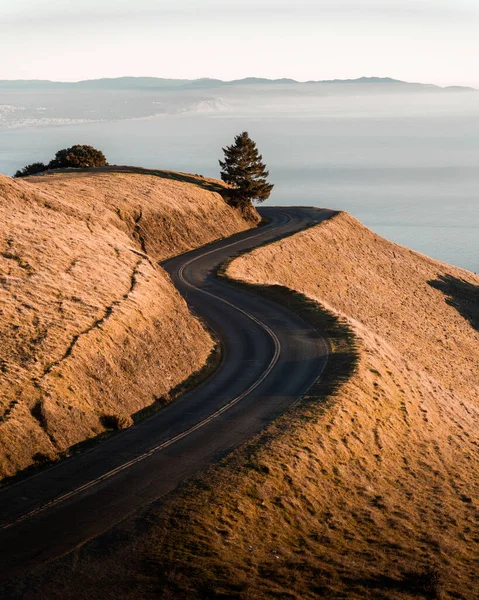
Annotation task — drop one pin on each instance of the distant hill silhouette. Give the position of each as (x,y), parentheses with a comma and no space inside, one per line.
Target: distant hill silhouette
(145,83)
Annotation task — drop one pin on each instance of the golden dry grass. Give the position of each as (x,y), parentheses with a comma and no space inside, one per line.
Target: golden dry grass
(393,465)
(89,325)
(371,495)
(406,298)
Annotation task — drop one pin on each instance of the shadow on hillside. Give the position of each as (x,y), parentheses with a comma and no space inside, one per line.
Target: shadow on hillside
(344,357)
(418,583)
(197,180)
(460,294)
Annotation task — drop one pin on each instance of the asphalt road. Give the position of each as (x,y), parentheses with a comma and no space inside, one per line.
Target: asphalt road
(270,358)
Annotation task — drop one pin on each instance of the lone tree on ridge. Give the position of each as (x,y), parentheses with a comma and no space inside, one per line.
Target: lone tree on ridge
(78,157)
(244,170)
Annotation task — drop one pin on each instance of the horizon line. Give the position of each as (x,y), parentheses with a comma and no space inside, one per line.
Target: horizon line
(363,78)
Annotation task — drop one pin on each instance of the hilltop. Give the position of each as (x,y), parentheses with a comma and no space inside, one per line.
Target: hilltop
(91,328)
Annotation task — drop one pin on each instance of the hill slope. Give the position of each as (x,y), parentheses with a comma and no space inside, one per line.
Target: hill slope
(90,327)
(369,492)
(426,310)
(391,469)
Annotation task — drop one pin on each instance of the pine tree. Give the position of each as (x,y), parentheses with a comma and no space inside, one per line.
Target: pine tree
(244,170)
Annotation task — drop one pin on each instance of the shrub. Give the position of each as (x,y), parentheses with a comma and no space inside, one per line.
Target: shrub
(117,421)
(43,459)
(78,157)
(32,169)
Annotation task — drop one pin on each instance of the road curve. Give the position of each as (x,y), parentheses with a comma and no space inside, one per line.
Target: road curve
(270,358)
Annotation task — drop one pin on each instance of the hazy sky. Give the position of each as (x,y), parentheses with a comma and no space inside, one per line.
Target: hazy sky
(433,41)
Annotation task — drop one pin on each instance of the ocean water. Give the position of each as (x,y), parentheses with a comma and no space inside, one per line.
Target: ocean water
(406,167)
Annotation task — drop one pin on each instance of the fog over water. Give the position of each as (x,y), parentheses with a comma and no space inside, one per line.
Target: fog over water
(404,162)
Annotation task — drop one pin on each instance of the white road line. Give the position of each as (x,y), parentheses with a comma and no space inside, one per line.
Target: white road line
(180,436)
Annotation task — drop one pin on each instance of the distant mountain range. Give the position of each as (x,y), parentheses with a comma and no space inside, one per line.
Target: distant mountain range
(156,83)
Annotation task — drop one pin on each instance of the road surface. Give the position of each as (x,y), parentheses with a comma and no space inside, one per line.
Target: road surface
(270,358)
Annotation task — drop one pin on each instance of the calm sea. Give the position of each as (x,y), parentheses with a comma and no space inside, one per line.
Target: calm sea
(410,175)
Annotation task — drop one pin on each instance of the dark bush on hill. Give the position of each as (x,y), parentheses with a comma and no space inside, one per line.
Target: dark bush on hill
(78,157)
(32,169)
(116,421)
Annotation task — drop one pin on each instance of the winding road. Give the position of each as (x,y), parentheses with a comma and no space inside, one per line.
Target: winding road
(270,358)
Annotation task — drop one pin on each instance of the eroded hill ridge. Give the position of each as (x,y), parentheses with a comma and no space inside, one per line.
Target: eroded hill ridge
(91,328)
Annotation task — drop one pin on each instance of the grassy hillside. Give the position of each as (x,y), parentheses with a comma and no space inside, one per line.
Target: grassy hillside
(392,468)
(367,489)
(425,310)
(90,327)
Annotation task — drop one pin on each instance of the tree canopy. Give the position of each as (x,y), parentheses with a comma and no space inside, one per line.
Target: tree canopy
(244,170)
(32,169)
(76,157)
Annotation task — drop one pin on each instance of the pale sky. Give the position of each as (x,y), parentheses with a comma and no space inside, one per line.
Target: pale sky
(432,41)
